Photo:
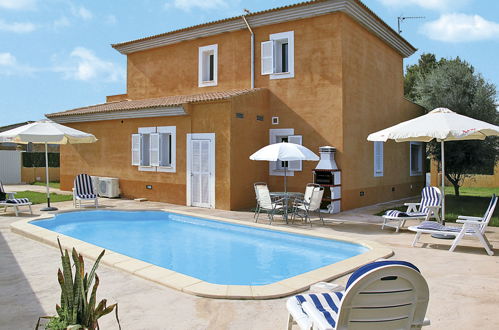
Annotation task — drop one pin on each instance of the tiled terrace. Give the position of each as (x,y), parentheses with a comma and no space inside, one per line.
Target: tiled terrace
(463,285)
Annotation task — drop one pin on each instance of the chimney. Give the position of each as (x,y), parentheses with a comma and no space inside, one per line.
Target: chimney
(327,159)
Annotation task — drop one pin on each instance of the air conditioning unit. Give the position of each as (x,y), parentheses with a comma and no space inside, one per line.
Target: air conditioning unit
(109,187)
(95,183)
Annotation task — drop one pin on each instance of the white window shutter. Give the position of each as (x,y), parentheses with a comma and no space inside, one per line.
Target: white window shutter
(378,158)
(295,165)
(164,149)
(154,149)
(268,57)
(136,149)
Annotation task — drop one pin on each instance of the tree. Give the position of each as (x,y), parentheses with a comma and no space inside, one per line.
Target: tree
(415,72)
(454,84)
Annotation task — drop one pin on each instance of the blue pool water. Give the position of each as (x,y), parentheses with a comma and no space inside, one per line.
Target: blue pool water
(213,251)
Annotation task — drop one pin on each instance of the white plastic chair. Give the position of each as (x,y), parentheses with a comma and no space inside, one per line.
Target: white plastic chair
(426,209)
(15,203)
(84,191)
(302,208)
(264,201)
(382,295)
(472,226)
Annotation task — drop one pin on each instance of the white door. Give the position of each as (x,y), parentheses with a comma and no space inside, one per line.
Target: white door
(10,166)
(201,170)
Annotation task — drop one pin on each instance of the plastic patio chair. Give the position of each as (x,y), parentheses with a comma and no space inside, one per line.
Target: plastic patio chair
(302,208)
(15,203)
(84,191)
(264,201)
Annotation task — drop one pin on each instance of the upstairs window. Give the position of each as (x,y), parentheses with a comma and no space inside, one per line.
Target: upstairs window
(154,148)
(208,66)
(416,158)
(277,56)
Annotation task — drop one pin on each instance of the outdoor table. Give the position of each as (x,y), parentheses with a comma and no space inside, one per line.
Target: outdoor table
(287,196)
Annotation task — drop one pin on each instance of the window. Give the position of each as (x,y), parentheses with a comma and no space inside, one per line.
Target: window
(416,158)
(284,135)
(278,56)
(154,149)
(208,66)
(378,158)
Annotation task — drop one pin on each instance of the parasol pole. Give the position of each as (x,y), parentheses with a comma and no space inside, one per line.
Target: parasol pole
(48,208)
(443,180)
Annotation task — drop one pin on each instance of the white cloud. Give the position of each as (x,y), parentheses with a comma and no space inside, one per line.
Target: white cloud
(18,4)
(17,27)
(111,20)
(84,65)
(61,22)
(10,66)
(461,28)
(440,5)
(82,12)
(187,5)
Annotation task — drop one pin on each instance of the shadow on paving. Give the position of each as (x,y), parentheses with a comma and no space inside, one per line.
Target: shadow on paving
(19,306)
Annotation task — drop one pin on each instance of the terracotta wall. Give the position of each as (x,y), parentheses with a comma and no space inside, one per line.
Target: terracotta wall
(373,100)
(32,174)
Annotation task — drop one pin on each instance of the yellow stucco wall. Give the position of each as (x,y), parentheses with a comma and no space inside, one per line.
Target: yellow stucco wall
(483,181)
(347,84)
(373,100)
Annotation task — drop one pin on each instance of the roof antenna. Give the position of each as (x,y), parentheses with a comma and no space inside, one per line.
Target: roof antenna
(401,19)
(247,11)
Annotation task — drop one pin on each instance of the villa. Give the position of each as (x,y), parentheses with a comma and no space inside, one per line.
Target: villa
(200,100)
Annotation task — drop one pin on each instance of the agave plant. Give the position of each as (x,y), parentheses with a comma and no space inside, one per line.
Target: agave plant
(78,308)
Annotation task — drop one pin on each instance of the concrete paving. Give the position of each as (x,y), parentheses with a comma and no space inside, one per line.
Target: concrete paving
(463,285)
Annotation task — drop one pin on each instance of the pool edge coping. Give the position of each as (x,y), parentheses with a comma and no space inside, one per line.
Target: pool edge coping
(195,286)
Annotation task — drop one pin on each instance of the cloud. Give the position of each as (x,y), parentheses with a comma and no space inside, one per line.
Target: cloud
(18,4)
(84,65)
(110,19)
(9,66)
(81,12)
(61,22)
(460,28)
(187,5)
(17,27)
(439,5)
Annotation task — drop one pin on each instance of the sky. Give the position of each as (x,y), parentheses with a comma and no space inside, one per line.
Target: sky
(55,55)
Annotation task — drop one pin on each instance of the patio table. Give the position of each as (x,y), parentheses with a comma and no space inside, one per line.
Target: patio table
(287,196)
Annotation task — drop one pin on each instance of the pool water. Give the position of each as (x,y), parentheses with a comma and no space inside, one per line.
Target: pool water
(213,251)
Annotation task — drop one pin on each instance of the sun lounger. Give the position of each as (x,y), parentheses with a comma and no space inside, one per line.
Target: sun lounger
(11,201)
(471,226)
(84,191)
(426,209)
(386,294)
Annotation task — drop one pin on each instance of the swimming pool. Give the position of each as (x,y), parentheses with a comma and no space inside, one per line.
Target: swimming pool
(213,251)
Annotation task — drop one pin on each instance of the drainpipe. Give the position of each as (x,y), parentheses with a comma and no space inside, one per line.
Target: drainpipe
(252,55)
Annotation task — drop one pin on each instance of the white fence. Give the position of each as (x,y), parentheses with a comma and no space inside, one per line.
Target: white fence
(10,166)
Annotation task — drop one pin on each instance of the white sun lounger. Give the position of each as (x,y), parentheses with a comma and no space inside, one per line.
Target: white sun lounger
(15,203)
(84,191)
(426,209)
(384,295)
(472,226)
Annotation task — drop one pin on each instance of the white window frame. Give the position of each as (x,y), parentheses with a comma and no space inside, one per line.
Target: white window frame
(172,130)
(276,38)
(378,154)
(201,136)
(420,159)
(274,135)
(155,131)
(203,52)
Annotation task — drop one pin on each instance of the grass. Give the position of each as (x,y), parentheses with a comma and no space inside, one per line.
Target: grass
(56,185)
(472,202)
(40,198)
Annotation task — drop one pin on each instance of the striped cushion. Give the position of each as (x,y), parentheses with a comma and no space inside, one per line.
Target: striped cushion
(83,187)
(433,225)
(396,214)
(430,196)
(373,265)
(17,201)
(326,303)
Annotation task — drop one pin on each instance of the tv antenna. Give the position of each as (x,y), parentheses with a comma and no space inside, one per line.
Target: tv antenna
(401,19)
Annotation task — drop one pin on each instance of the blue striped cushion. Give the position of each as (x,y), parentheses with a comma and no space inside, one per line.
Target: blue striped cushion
(373,265)
(83,187)
(433,225)
(430,196)
(17,201)
(396,214)
(326,303)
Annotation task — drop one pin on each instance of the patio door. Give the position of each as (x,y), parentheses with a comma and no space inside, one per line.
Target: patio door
(201,170)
